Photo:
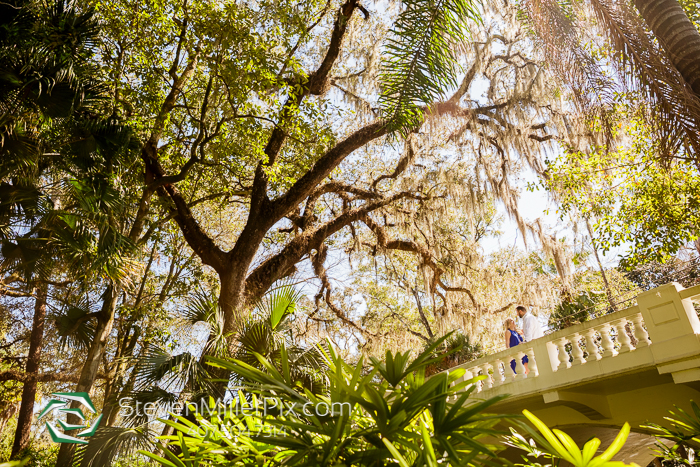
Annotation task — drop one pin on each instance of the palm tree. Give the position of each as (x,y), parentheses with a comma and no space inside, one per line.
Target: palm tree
(663,64)
(163,378)
(677,35)
(267,333)
(50,103)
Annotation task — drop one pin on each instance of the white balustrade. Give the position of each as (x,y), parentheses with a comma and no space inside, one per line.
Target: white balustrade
(601,338)
(584,349)
(519,367)
(532,365)
(487,384)
(509,370)
(622,338)
(497,376)
(479,384)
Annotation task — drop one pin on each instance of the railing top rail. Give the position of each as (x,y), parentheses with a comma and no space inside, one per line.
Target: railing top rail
(692,293)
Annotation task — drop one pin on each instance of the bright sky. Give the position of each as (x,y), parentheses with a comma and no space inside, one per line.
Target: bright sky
(533,205)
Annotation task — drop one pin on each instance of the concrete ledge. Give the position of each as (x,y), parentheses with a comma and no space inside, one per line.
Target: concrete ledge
(686,376)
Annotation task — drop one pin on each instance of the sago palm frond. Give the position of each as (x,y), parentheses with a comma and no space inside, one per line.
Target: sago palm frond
(419,64)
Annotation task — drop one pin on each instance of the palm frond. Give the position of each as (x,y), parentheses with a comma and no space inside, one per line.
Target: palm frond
(642,66)
(203,307)
(278,304)
(74,326)
(675,110)
(109,443)
(419,63)
(182,371)
(135,402)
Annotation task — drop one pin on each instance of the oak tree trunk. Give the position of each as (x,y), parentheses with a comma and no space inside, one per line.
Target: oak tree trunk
(36,340)
(677,35)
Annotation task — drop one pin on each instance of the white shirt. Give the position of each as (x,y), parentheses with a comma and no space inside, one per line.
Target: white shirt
(531,327)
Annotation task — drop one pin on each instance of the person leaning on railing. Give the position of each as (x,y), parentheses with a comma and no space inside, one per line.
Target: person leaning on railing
(513,338)
(531,326)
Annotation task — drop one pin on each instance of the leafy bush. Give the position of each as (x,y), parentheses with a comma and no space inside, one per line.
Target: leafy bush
(390,415)
(685,434)
(456,349)
(572,310)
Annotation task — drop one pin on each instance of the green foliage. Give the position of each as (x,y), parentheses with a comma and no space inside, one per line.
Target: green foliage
(655,274)
(43,55)
(109,442)
(38,455)
(635,200)
(573,310)
(15,463)
(455,350)
(555,445)
(684,432)
(419,63)
(692,9)
(387,416)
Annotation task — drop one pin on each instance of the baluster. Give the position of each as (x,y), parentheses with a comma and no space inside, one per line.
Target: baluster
(563,356)
(622,337)
(519,367)
(487,382)
(576,350)
(639,332)
(532,365)
(508,370)
(592,346)
(473,373)
(605,340)
(497,376)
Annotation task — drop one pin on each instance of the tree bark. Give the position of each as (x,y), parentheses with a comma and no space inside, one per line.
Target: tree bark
(608,290)
(423,318)
(36,340)
(115,386)
(676,34)
(91,365)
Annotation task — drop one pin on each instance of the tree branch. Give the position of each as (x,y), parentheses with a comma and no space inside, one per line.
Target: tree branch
(275,267)
(315,85)
(14,375)
(324,166)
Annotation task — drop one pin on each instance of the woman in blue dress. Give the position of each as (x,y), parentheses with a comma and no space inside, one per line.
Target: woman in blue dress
(514,338)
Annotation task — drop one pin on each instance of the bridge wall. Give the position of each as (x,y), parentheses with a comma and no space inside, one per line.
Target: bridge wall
(591,377)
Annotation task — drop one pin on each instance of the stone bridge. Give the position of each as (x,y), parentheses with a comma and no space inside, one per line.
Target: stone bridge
(590,378)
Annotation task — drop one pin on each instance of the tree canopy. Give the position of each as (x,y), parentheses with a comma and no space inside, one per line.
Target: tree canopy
(170,169)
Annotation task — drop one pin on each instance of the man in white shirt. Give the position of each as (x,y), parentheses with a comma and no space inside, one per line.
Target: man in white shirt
(531,326)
